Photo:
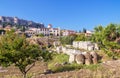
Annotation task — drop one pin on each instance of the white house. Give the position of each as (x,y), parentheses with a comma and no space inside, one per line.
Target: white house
(67,32)
(33,31)
(54,31)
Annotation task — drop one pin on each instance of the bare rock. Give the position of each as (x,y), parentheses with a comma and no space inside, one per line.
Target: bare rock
(94,55)
(87,55)
(48,71)
(88,61)
(72,58)
(58,65)
(88,58)
(95,61)
(80,59)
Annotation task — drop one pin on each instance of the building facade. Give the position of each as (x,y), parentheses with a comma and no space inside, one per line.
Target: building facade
(67,32)
(53,31)
(36,31)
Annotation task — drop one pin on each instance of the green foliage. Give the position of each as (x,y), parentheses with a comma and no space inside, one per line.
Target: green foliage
(74,66)
(40,35)
(68,67)
(51,34)
(46,55)
(58,58)
(61,58)
(92,66)
(2,31)
(67,39)
(106,38)
(15,49)
(81,37)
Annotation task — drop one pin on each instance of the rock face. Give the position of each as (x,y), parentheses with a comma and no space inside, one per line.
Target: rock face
(18,21)
(87,55)
(88,58)
(84,58)
(72,58)
(80,59)
(95,57)
(88,61)
(95,61)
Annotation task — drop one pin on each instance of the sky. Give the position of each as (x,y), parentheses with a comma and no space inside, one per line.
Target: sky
(66,14)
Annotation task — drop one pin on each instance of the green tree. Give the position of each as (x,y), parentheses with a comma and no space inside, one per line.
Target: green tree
(81,37)
(15,49)
(67,39)
(23,28)
(106,38)
(40,35)
(84,30)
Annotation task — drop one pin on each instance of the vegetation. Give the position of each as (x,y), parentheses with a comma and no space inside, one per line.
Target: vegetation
(57,64)
(2,32)
(58,58)
(4,24)
(107,38)
(82,37)
(40,35)
(84,30)
(67,39)
(15,49)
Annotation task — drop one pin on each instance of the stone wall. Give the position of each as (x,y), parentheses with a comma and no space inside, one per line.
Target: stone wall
(87,45)
(79,56)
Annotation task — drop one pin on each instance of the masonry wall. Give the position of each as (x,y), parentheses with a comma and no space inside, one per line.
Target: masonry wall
(87,45)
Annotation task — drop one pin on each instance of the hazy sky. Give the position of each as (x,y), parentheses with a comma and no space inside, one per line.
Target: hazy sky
(68,14)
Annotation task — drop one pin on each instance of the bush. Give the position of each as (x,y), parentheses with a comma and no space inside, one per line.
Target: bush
(67,40)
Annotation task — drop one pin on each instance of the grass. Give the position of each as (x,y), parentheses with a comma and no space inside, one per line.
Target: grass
(61,58)
(68,67)
(58,58)
(92,71)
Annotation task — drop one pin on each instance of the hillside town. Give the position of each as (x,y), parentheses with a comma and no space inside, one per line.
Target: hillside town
(32,28)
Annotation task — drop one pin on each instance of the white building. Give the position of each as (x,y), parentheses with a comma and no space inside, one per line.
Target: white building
(33,31)
(67,32)
(54,31)
(89,33)
(45,31)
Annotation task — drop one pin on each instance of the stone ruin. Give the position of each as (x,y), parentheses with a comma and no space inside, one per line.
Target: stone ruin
(84,58)
(79,56)
(86,45)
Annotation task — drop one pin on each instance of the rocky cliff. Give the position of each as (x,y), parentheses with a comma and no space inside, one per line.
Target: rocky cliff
(18,21)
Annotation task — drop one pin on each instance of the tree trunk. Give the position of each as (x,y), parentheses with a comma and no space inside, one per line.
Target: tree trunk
(24,75)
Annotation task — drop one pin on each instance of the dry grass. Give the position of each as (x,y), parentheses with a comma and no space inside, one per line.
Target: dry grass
(107,70)
(13,72)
